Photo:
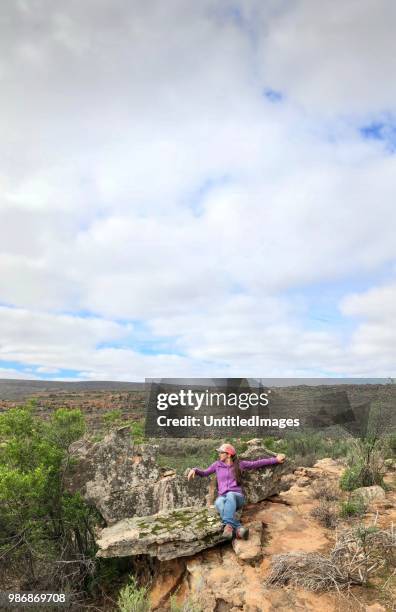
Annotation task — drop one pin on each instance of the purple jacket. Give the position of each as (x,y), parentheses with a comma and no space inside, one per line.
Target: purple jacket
(225,473)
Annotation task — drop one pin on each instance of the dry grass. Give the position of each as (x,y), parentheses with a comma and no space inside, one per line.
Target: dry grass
(357,554)
(325,513)
(308,570)
(328,491)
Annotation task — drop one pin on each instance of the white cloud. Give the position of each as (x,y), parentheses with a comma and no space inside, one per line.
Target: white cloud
(333,59)
(146,176)
(13,373)
(378,304)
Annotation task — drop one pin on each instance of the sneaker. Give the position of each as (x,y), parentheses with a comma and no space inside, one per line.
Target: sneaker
(242,533)
(228,532)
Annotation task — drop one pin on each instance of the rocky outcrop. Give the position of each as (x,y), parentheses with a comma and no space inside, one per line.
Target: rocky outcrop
(263,483)
(122,479)
(166,535)
(233,578)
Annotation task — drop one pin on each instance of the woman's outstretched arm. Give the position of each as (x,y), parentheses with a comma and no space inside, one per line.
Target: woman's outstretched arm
(197,471)
(258,463)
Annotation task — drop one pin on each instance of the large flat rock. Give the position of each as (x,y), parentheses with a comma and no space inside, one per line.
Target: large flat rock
(165,535)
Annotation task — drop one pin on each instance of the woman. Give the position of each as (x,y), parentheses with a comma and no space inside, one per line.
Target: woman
(231,497)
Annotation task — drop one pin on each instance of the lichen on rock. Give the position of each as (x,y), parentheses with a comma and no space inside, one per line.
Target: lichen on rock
(165,535)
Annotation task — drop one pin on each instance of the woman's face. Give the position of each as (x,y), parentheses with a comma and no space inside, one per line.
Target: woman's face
(223,456)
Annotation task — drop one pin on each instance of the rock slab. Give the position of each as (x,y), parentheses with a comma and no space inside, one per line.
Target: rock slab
(165,535)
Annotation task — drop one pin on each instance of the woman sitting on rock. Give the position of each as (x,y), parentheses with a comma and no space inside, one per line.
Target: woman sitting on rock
(231,497)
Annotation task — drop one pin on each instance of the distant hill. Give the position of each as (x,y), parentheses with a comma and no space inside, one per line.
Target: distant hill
(17,390)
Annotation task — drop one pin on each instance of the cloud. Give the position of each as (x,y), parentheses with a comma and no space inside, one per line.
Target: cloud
(333,61)
(178,171)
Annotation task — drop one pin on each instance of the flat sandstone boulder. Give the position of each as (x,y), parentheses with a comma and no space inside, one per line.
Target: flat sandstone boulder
(165,535)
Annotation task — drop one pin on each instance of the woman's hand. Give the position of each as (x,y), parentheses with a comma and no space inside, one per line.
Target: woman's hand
(281,457)
(191,474)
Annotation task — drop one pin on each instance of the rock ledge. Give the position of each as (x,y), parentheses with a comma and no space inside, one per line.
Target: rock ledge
(165,535)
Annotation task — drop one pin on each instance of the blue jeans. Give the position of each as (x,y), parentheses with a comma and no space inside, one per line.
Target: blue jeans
(227,505)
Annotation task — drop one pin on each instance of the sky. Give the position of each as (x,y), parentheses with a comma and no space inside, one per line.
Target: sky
(197,189)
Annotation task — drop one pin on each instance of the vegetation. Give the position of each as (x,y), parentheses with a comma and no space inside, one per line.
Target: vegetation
(366,457)
(357,555)
(137,430)
(46,533)
(305,449)
(189,605)
(391,446)
(325,513)
(112,418)
(133,598)
(325,490)
(354,506)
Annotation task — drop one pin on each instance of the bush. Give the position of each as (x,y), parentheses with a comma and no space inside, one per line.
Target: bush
(366,462)
(351,479)
(326,514)
(325,490)
(271,443)
(306,449)
(137,430)
(46,533)
(133,598)
(354,506)
(112,418)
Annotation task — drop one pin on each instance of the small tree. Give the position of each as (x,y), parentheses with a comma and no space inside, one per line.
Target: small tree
(45,532)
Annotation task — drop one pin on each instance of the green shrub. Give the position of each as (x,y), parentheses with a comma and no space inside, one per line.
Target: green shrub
(354,506)
(306,444)
(111,418)
(270,443)
(133,598)
(350,479)
(137,430)
(41,522)
(366,464)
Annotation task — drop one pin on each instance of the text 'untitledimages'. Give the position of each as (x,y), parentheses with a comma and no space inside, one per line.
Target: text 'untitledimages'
(225,421)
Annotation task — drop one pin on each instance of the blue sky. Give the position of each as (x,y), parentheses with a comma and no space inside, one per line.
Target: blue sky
(197,189)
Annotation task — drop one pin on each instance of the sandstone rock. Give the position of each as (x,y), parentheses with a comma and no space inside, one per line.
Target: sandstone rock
(122,479)
(370,494)
(287,480)
(265,482)
(222,585)
(165,535)
(307,472)
(167,580)
(250,550)
(328,466)
(303,481)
